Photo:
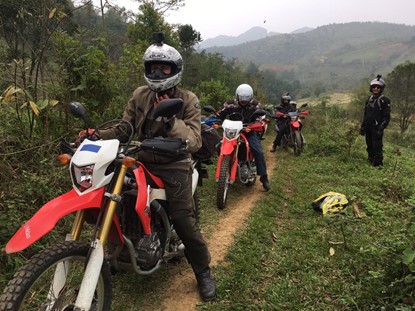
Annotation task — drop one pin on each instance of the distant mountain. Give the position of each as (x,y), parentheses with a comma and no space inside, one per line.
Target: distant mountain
(339,55)
(252,34)
(302,30)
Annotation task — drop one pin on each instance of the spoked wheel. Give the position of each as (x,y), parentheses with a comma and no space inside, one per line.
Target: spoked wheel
(298,143)
(51,279)
(223,182)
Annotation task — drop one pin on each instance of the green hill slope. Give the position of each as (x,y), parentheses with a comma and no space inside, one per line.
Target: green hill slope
(337,55)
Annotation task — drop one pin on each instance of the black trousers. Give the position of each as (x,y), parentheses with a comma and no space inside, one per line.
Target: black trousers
(178,184)
(374,143)
(283,127)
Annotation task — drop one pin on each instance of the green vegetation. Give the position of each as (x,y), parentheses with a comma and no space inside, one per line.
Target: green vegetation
(336,55)
(288,257)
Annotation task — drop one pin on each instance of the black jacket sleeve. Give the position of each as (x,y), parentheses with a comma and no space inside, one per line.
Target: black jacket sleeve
(386,112)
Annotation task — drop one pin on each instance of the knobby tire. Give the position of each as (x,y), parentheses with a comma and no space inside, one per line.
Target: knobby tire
(298,143)
(223,182)
(28,289)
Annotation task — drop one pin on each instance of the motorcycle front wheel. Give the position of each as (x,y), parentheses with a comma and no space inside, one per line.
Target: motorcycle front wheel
(223,182)
(33,285)
(298,143)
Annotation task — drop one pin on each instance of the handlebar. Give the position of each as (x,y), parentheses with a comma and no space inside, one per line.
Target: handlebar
(158,145)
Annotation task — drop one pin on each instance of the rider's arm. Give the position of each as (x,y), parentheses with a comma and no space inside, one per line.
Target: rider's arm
(187,125)
(223,113)
(386,112)
(132,112)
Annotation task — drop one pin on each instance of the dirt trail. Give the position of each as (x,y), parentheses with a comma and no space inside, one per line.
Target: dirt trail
(184,295)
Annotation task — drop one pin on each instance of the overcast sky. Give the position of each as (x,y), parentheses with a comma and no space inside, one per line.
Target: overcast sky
(233,17)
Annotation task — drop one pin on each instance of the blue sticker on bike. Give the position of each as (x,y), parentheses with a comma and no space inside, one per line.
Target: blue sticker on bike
(91,148)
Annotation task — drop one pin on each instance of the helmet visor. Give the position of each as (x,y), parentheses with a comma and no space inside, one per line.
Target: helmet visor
(158,70)
(244,98)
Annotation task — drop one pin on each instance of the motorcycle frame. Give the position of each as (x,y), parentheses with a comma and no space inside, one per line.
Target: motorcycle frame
(98,201)
(231,148)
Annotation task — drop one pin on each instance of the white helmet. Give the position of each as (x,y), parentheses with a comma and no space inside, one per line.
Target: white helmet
(161,53)
(379,82)
(244,92)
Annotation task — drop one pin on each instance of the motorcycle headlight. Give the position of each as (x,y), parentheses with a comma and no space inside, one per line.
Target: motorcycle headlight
(82,176)
(230,133)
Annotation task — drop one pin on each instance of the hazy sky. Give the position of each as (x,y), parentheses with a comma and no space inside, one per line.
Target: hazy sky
(233,17)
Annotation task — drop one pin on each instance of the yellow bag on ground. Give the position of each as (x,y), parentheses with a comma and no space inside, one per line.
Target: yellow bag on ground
(330,203)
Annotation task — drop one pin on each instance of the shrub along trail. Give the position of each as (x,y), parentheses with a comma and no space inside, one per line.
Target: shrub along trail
(183,293)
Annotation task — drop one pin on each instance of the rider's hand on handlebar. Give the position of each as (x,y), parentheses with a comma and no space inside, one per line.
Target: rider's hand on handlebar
(90,134)
(162,97)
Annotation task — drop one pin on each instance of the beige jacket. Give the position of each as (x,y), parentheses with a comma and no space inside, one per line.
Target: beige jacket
(186,125)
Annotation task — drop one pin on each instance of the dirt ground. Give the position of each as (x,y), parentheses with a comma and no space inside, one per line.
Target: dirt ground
(184,295)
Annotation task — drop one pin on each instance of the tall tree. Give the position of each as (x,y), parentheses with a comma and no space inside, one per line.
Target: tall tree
(27,27)
(400,86)
(188,38)
(148,21)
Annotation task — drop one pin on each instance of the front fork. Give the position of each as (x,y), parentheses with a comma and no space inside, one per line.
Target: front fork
(96,257)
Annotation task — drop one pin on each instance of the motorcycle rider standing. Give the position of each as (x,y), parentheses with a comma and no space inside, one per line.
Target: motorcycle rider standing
(283,124)
(376,118)
(246,105)
(163,70)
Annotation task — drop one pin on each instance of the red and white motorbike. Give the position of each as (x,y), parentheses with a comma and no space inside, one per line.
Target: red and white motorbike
(294,137)
(264,122)
(235,160)
(124,203)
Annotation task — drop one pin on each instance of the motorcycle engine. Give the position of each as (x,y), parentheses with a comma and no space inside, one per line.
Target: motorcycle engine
(244,171)
(148,247)
(148,251)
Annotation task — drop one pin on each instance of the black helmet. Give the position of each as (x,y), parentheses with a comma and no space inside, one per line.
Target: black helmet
(379,82)
(285,98)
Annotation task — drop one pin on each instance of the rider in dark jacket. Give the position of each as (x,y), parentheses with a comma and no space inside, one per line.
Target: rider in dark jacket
(376,118)
(246,105)
(283,123)
(163,70)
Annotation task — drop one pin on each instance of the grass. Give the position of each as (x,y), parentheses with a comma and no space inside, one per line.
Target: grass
(282,259)
(290,257)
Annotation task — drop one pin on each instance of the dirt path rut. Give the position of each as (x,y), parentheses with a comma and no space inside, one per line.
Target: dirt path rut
(184,294)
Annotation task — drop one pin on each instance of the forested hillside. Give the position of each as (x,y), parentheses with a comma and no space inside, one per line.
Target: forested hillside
(53,52)
(336,55)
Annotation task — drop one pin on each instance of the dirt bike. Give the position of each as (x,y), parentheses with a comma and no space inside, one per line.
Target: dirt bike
(235,160)
(264,122)
(294,137)
(124,203)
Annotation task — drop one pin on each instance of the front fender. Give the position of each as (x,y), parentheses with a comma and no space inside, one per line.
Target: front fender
(45,219)
(295,124)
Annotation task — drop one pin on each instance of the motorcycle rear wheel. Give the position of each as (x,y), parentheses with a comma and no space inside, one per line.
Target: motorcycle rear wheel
(223,182)
(31,284)
(298,143)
